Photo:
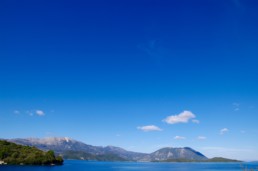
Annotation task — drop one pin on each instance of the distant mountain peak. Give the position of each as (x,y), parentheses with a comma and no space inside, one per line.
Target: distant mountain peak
(51,139)
(176,153)
(46,140)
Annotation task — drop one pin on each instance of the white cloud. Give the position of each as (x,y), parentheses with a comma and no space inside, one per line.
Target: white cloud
(35,112)
(196,121)
(179,138)
(201,138)
(183,117)
(223,131)
(148,128)
(39,112)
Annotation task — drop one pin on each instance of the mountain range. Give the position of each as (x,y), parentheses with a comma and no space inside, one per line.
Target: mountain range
(73,149)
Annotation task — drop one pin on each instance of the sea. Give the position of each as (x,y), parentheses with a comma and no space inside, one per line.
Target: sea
(79,165)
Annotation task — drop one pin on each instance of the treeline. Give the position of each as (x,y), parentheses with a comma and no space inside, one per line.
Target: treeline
(12,153)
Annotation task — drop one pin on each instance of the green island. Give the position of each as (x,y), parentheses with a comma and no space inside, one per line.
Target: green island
(13,154)
(215,159)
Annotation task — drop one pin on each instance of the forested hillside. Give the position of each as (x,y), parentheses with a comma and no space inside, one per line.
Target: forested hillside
(11,153)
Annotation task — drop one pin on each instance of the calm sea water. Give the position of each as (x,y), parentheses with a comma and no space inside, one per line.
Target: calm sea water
(75,165)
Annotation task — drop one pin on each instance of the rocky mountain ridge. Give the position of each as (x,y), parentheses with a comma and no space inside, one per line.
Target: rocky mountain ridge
(73,149)
(64,144)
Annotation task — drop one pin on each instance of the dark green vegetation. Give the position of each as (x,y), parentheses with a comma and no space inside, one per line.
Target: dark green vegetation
(12,153)
(79,155)
(221,159)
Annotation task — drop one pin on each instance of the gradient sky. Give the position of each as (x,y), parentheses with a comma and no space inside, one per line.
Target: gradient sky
(112,72)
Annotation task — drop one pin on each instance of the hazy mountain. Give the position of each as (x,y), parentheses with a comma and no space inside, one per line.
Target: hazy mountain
(175,153)
(80,155)
(59,145)
(128,155)
(69,146)
(73,149)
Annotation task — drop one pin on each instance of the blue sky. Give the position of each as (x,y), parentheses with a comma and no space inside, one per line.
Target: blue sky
(136,74)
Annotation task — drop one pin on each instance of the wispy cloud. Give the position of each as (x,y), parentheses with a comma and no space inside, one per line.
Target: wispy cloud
(36,112)
(152,49)
(201,138)
(196,121)
(238,4)
(148,128)
(155,51)
(223,131)
(179,138)
(17,112)
(29,112)
(39,112)
(243,131)
(251,107)
(183,117)
(236,106)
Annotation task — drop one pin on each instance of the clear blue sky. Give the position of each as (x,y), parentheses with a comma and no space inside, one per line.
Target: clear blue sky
(112,72)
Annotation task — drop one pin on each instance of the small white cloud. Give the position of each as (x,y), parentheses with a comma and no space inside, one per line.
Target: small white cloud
(223,131)
(17,112)
(195,121)
(148,128)
(201,138)
(39,113)
(179,138)
(183,117)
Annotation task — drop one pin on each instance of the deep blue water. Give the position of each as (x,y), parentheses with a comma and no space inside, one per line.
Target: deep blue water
(75,165)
